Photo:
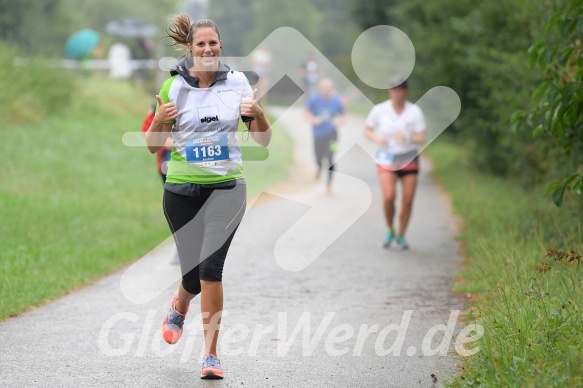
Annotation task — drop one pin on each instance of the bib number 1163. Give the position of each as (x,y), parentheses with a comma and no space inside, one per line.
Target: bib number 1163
(204,152)
(207,149)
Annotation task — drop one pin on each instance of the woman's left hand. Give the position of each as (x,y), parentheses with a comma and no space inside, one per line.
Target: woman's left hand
(250,107)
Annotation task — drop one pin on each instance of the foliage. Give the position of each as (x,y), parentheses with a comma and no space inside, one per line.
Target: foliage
(234,26)
(372,13)
(42,27)
(76,202)
(480,49)
(527,297)
(557,108)
(34,26)
(337,31)
(32,91)
(326,23)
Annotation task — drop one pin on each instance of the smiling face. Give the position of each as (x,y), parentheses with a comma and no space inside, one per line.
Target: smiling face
(205,48)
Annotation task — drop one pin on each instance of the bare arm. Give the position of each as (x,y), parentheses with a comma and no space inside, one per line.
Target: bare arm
(417,138)
(376,138)
(314,120)
(339,120)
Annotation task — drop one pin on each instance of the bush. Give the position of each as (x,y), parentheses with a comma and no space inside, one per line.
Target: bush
(31,91)
(557,104)
(480,49)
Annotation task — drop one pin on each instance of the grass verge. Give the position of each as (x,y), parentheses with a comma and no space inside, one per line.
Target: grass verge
(527,295)
(76,203)
(266,167)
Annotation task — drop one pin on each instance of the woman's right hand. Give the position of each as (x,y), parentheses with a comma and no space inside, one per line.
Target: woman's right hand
(165,112)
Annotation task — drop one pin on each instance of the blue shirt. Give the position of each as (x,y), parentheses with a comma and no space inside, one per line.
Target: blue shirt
(326,110)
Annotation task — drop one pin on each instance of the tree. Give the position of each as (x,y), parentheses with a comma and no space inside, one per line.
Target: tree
(236,26)
(42,27)
(33,26)
(271,15)
(338,29)
(372,13)
(479,49)
(557,109)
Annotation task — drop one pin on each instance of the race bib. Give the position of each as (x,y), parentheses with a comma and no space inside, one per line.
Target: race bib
(207,149)
(385,157)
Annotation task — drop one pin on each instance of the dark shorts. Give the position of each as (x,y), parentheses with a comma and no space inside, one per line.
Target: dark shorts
(203,220)
(403,165)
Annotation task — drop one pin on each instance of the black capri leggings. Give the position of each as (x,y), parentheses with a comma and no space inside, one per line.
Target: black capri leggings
(203,220)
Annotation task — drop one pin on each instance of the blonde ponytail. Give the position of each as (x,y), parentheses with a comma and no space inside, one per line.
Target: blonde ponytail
(181,29)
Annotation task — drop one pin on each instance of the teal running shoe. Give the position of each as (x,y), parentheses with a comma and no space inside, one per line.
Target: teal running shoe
(400,243)
(389,235)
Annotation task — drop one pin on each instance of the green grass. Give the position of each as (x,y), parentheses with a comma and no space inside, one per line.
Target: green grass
(266,167)
(76,203)
(33,91)
(532,316)
(361,108)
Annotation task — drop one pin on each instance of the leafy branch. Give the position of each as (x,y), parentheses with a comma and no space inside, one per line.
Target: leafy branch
(557,103)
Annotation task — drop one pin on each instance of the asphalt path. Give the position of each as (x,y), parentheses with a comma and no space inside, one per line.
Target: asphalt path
(311,298)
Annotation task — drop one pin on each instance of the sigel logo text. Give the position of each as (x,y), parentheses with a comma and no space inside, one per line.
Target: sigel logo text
(209,119)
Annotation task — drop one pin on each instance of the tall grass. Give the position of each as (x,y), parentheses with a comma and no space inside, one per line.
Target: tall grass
(32,91)
(75,202)
(526,294)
